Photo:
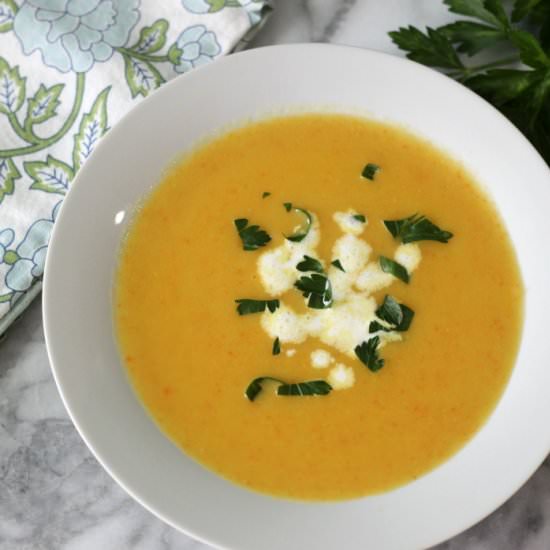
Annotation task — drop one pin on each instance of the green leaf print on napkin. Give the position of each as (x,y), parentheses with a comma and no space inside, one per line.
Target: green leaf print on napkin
(52,176)
(8,9)
(8,174)
(92,126)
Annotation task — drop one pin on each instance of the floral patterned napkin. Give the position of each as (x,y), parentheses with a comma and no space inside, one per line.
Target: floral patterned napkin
(69,70)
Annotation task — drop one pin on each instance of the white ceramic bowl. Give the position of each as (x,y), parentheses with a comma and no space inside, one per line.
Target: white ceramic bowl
(83,253)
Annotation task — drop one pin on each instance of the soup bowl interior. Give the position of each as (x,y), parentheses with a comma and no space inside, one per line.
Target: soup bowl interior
(83,257)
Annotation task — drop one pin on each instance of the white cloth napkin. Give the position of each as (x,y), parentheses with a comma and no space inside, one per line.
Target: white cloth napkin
(69,70)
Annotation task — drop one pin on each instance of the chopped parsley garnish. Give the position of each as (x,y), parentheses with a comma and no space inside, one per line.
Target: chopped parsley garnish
(367,352)
(313,387)
(359,218)
(338,265)
(417,228)
(370,171)
(265,194)
(255,387)
(394,268)
(398,316)
(302,232)
(288,206)
(276,346)
(310,264)
(247,306)
(317,288)
(252,236)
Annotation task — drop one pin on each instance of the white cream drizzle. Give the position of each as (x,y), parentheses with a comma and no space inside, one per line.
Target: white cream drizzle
(346,324)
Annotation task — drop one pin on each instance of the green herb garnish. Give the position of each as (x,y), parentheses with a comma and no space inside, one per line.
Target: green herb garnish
(288,206)
(417,228)
(252,236)
(301,234)
(255,387)
(394,268)
(370,171)
(247,306)
(523,95)
(265,194)
(359,218)
(367,352)
(313,387)
(317,288)
(338,265)
(310,264)
(276,346)
(398,316)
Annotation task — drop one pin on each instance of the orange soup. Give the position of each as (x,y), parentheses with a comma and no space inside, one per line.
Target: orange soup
(318,306)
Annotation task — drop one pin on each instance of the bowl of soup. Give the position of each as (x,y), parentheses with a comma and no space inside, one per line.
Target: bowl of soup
(311,311)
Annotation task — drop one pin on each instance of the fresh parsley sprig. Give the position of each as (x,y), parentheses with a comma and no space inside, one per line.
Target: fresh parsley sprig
(523,95)
(299,389)
(252,236)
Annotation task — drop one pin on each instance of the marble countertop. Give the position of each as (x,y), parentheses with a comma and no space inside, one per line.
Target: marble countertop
(53,493)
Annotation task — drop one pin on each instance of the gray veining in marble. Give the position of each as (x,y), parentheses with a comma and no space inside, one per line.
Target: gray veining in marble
(53,493)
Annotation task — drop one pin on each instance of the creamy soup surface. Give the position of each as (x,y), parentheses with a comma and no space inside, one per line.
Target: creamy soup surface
(190,355)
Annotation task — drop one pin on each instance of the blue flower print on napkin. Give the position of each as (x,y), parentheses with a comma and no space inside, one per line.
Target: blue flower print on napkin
(195,46)
(27,260)
(6,238)
(253,7)
(74,34)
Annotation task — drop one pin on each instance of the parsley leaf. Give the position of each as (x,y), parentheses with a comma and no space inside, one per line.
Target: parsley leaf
(523,8)
(488,11)
(265,194)
(252,236)
(310,264)
(359,218)
(433,49)
(301,234)
(276,346)
(417,228)
(255,387)
(397,316)
(247,306)
(394,268)
(370,170)
(338,265)
(288,206)
(317,288)
(473,37)
(313,387)
(367,352)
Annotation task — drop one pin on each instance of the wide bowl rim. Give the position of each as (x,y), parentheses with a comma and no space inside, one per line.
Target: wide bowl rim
(51,324)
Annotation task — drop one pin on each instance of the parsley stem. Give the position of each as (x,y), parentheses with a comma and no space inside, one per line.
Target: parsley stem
(469,71)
